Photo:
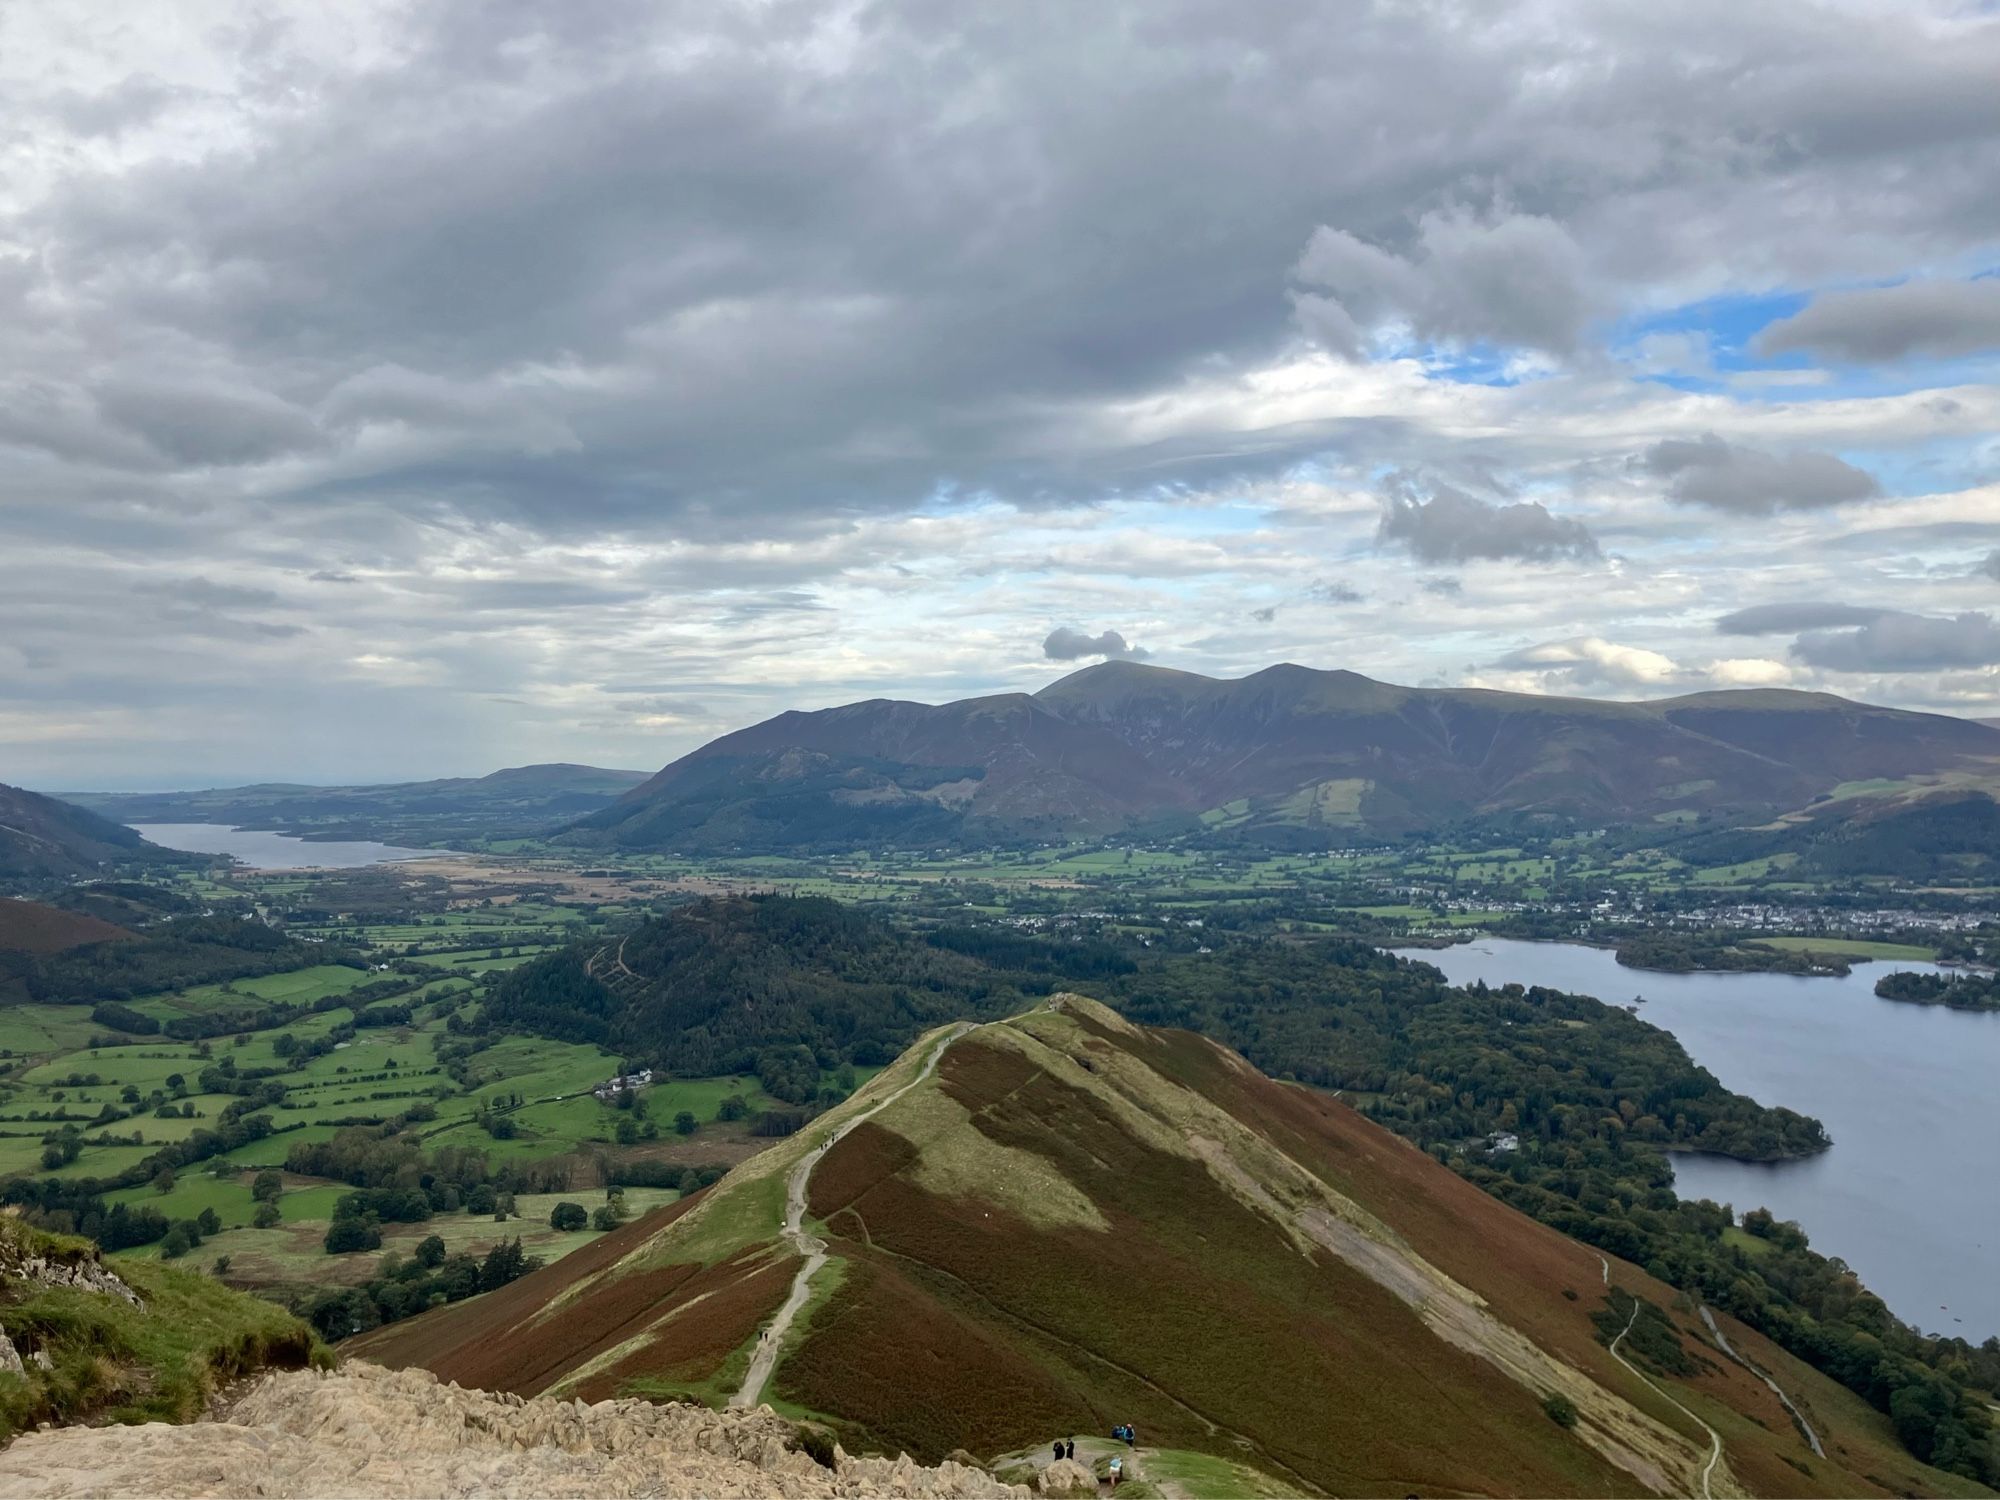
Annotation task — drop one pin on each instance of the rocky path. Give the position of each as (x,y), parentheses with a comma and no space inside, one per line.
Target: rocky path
(374,1434)
(771,1341)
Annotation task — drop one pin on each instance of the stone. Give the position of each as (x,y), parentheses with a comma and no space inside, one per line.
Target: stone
(375,1434)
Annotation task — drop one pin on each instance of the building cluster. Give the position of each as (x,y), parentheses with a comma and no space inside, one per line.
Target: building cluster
(623,1083)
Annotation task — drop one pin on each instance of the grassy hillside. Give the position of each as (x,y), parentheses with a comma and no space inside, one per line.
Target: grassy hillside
(1075,1221)
(104,1358)
(1287,756)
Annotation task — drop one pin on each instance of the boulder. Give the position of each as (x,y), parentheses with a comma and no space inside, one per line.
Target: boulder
(1066,1476)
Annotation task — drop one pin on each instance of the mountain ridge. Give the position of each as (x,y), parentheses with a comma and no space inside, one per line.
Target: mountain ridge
(1046,1224)
(1289,754)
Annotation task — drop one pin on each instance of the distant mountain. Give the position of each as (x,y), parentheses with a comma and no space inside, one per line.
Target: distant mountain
(42,838)
(1043,1226)
(515,802)
(1288,755)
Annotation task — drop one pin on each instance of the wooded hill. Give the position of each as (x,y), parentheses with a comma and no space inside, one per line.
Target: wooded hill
(1287,757)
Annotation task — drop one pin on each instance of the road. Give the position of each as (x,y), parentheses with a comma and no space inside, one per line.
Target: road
(772,1340)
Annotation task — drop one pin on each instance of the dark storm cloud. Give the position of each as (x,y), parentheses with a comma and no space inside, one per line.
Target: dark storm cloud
(1748,481)
(1898,642)
(1789,619)
(1878,324)
(1452,526)
(1066,643)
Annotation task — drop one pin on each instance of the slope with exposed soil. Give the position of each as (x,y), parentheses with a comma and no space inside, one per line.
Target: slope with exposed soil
(1073,1222)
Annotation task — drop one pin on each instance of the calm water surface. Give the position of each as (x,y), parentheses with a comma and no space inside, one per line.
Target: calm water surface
(1910,1193)
(275,851)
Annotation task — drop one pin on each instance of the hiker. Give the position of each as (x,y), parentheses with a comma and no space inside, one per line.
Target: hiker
(1131,1436)
(1117,1473)
(1069,1450)
(1058,1458)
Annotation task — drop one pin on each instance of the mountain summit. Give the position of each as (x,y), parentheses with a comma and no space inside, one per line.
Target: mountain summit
(1288,755)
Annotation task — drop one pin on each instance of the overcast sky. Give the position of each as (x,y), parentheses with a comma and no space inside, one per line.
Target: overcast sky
(414,389)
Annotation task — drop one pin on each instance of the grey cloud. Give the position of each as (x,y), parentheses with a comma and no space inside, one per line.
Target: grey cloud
(1898,642)
(1516,280)
(1878,324)
(1446,586)
(1066,643)
(332,575)
(1728,476)
(1789,619)
(1331,592)
(1990,567)
(1265,615)
(207,426)
(1452,526)
(208,594)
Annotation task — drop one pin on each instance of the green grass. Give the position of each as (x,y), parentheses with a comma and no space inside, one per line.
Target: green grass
(160,1361)
(1849,947)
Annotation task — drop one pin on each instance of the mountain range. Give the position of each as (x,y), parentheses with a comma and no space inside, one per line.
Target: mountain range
(520,800)
(1289,756)
(1045,1226)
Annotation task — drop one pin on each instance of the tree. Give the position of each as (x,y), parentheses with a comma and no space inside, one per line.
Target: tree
(208,1221)
(344,1236)
(568,1216)
(685,1122)
(163,1180)
(179,1240)
(605,1217)
(430,1251)
(266,1215)
(733,1107)
(266,1187)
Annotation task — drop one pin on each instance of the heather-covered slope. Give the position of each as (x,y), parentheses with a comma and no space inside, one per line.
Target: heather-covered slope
(1287,754)
(1069,1221)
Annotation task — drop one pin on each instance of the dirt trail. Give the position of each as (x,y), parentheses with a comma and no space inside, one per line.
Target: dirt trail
(1714,1437)
(771,1341)
(1722,1343)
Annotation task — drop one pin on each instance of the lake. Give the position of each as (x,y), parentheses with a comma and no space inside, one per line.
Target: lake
(1909,1196)
(262,850)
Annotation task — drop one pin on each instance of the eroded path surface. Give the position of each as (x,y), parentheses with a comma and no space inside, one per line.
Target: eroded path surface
(772,1340)
(1714,1437)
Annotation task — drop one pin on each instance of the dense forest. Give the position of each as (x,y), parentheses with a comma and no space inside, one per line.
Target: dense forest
(1962,991)
(1666,951)
(713,986)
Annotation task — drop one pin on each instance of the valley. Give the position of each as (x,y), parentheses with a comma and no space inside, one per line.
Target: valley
(377,1093)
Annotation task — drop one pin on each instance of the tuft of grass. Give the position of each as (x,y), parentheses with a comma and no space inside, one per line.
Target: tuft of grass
(158,1362)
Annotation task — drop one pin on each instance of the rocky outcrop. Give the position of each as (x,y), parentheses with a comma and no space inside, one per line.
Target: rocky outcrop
(368,1432)
(1065,1476)
(80,1269)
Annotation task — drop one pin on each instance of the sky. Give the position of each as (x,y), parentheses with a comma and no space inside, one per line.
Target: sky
(403,390)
